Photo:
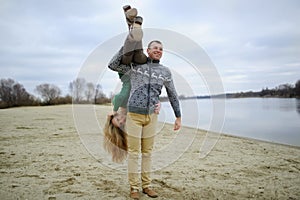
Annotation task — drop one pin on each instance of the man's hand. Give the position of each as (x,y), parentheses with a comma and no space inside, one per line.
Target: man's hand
(177,124)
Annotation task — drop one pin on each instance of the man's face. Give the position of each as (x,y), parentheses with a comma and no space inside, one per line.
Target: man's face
(155,51)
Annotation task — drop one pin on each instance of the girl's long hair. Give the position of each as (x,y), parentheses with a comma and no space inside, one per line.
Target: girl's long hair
(115,141)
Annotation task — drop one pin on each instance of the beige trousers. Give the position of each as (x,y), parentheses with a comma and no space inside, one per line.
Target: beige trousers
(141,130)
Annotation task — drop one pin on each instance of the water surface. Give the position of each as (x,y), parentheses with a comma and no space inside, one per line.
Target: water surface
(270,119)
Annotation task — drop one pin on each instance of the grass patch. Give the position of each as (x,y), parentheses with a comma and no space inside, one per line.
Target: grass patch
(23,127)
(45,118)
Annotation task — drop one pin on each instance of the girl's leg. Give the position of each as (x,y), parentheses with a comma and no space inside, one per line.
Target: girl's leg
(139,57)
(128,50)
(133,42)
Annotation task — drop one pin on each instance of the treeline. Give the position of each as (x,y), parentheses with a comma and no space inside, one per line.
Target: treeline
(13,94)
(281,91)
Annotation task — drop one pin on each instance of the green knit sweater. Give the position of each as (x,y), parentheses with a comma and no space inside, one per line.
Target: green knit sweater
(121,99)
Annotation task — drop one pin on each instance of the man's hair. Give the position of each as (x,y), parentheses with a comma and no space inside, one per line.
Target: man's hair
(156,41)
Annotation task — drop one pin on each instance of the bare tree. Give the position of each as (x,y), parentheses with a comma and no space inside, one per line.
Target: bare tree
(77,88)
(89,92)
(83,92)
(14,94)
(48,92)
(297,88)
(100,97)
(285,90)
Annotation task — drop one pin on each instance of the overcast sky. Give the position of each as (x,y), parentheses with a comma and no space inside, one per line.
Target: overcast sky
(252,43)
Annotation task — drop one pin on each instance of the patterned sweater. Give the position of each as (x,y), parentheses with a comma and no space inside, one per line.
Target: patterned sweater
(147,81)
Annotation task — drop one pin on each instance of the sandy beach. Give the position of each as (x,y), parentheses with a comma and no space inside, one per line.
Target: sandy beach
(44,157)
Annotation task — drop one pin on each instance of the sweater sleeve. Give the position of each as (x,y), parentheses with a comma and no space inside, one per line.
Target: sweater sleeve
(116,65)
(172,95)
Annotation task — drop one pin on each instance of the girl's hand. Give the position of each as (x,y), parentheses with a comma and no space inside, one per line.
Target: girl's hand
(157,108)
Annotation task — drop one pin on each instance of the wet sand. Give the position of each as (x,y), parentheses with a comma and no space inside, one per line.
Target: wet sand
(43,157)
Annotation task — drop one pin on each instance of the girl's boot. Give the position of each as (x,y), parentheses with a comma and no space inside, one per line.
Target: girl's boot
(130,14)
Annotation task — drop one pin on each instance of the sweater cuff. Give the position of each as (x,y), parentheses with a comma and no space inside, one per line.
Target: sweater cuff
(177,114)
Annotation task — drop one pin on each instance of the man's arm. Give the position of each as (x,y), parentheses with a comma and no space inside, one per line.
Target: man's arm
(173,98)
(116,65)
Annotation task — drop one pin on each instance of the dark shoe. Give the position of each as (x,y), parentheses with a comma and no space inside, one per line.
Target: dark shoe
(134,194)
(138,20)
(151,193)
(130,14)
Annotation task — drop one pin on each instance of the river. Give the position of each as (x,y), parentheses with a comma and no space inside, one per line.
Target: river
(269,119)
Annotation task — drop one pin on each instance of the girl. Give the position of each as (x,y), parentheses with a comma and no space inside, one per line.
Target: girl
(115,140)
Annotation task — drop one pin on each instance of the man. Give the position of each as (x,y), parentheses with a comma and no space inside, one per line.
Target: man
(147,81)
(147,78)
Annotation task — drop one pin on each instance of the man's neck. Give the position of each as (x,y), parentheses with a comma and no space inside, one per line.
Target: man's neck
(152,60)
